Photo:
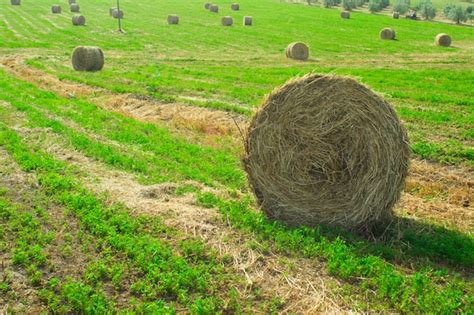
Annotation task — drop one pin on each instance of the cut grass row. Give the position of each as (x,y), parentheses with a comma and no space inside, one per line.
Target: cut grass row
(349,257)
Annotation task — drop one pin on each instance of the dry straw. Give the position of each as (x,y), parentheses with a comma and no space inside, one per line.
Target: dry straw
(214,8)
(443,40)
(345,14)
(235,7)
(387,33)
(227,21)
(74,7)
(173,19)
(326,150)
(298,51)
(117,14)
(56,9)
(78,20)
(15,2)
(396,15)
(87,58)
(248,20)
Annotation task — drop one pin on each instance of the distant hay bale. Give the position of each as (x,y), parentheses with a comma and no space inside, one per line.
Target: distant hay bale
(173,19)
(15,2)
(345,14)
(74,7)
(87,58)
(214,8)
(227,21)
(443,40)
(117,14)
(235,7)
(326,150)
(111,11)
(298,51)
(71,1)
(56,9)
(78,20)
(396,15)
(248,20)
(207,5)
(387,33)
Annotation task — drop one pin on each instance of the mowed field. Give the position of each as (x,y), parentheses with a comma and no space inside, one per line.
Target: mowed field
(121,191)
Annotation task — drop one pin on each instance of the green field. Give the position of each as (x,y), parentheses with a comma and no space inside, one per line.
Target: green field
(104,212)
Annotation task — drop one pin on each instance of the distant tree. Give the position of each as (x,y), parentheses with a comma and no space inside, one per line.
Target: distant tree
(348,4)
(328,3)
(374,6)
(427,9)
(458,14)
(359,3)
(337,2)
(448,8)
(401,6)
(384,3)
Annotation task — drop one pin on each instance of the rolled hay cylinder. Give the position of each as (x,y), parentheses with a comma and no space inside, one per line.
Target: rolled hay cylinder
(297,51)
(117,14)
(74,7)
(326,150)
(248,20)
(56,9)
(173,19)
(396,15)
(227,21)
(71,1)
(443,40)
(15,2)
(387,33)
(88,58)
(345,15)
(235,7)
(111,11)
(207,5)
(214,8)
(78,20)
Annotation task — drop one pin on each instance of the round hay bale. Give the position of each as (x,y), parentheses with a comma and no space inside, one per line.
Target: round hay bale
(71,1)
(78,20)
(87,58)
(345,15)
(173,19)
(396,15)
(111,11)
(15,2)
(326,150)
(207,5)
(227,21)
(297,51)
(235,7)
(214,8)
(248,20)
(74,7)
(443,40)
(387,33)
(117,14)
(56,9)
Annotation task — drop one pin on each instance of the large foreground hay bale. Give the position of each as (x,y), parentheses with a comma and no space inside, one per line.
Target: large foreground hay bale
(227,21)
(387,33)
(74,7)
(326,150)
(173,19)
(56,9)
(117,14)
(87,58)
(235,7)
(214,8)
(248,20)
(298,51)
(345,15)
(207,5)
(396,15)
(78,20)
(443,40)
(15,2)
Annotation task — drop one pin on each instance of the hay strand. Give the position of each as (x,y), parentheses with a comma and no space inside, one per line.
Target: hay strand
(387,33)
(326,150)
(87,58)
(443,40)
(297,51)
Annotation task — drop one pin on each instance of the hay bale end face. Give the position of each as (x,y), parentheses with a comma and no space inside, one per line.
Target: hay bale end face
(326,150)
(248,20)
(78,20)
(207,5)
(87,58)
(227,21)
(214,8)
(297,51)
(74,7)
(15,2)
(387,33)
(396,15)
(443,40)
(117,14)
(345,15)
(235,7)
(173,19)
(56,9)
